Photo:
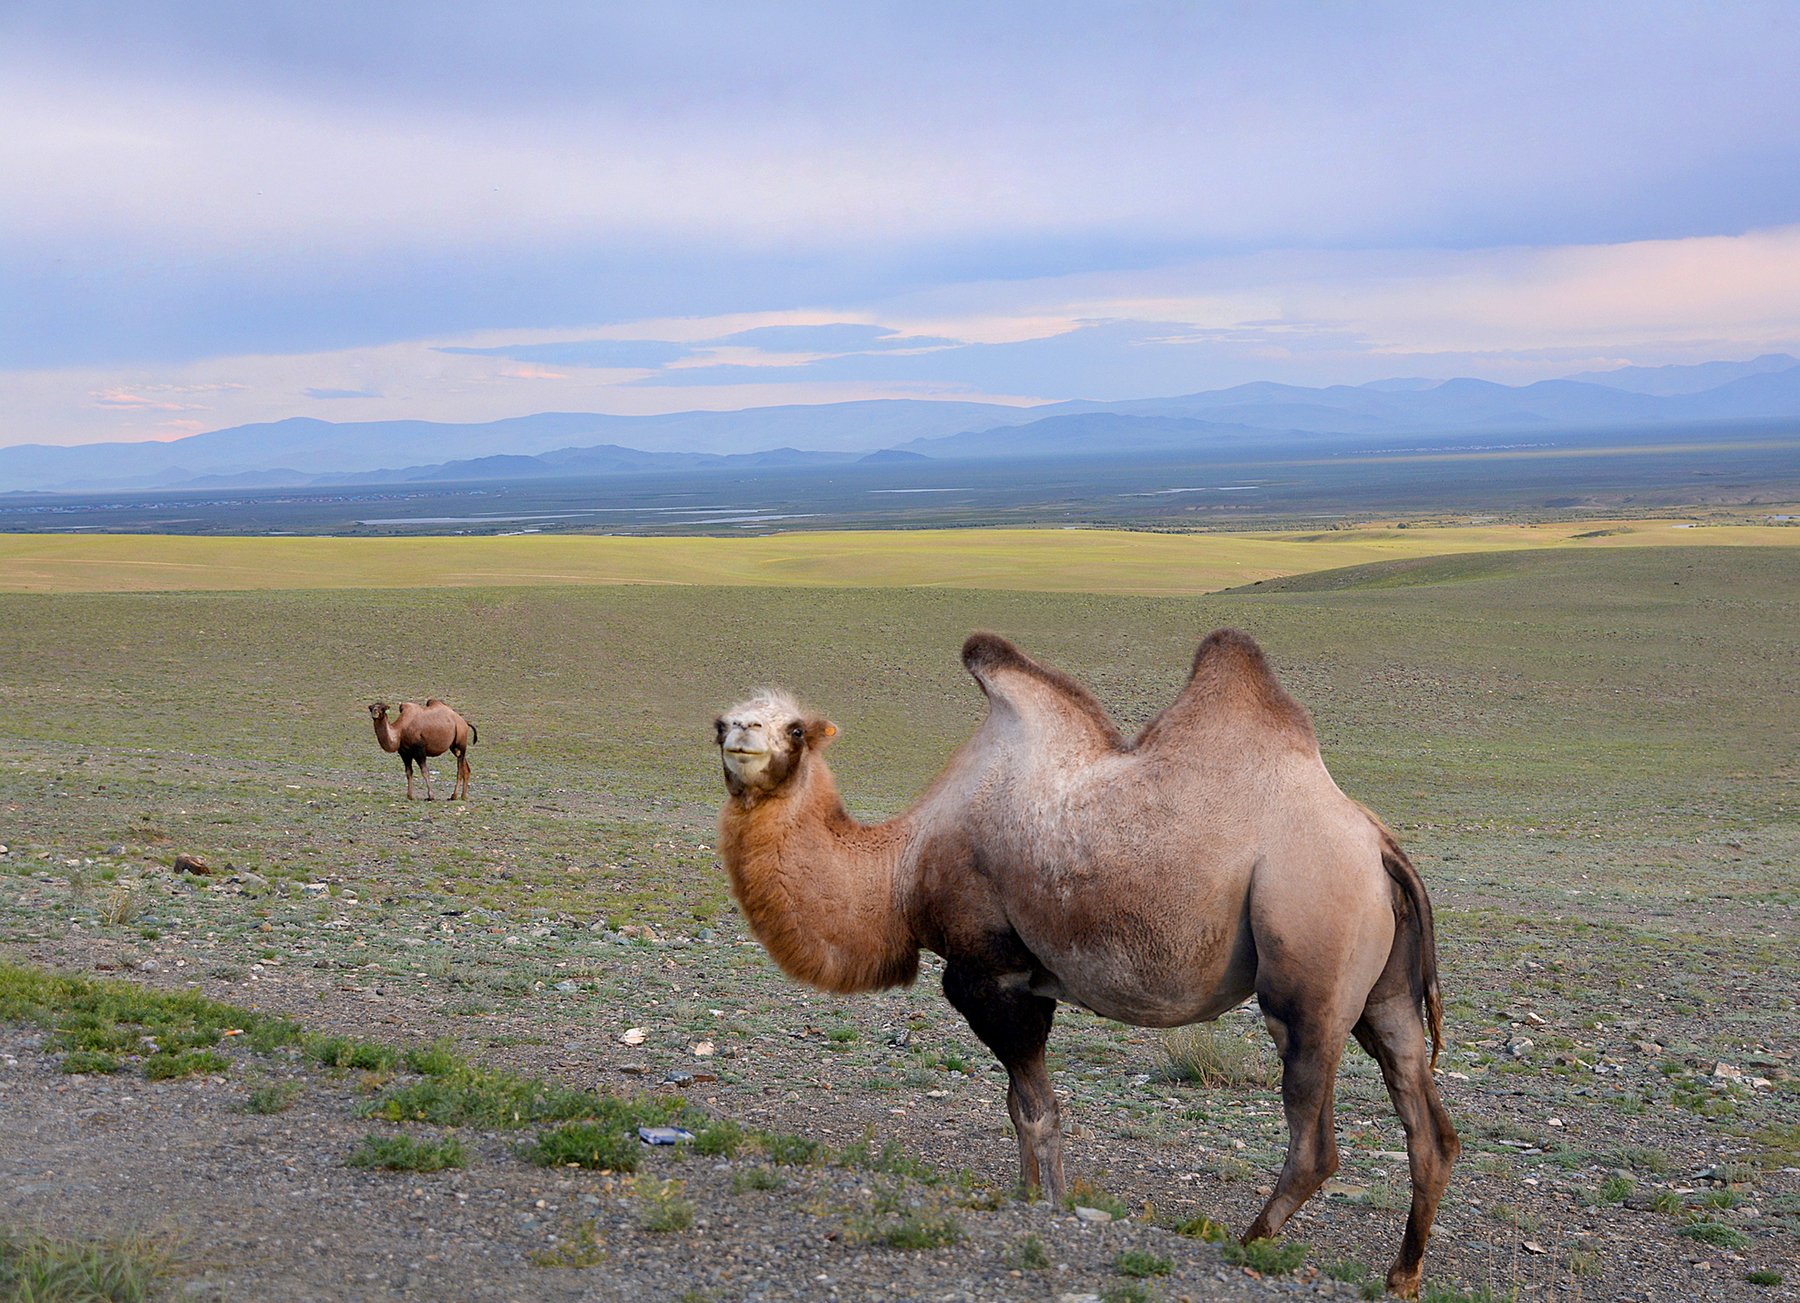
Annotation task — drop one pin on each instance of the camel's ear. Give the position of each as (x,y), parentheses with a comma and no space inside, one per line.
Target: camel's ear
(719,730)
(819,733)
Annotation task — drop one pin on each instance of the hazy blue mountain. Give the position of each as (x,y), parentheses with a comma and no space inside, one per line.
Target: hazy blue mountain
(1667,380)
(312,448)
(303,451)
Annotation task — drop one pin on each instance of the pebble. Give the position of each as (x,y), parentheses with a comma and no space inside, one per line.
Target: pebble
(1097,1216)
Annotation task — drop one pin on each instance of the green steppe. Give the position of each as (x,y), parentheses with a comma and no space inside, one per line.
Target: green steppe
(1591,745)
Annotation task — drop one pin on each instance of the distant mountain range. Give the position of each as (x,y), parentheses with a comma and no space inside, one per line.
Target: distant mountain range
(306,452)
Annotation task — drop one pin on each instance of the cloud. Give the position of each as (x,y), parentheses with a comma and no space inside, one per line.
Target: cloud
(325,394)
(605,354)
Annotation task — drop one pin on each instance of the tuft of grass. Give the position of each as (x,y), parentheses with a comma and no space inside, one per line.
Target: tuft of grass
(1763,1276)
(756,1178)
(346,1052)
(891,1160)
(1717,1234)
(1617,1189)
(273,1098)
(42,1269)
(409,1153)
(469,1096)
(1480,1294)
(83,1061)
(1031,1255)
(894,1220)
(189,1063)
(1270,1257)
(790,1150)
(439,1059)
(1083,1193)
(1205,1228)
(662,1207)
(922,1228)
(1126,1291)
(719,1139)
(586,1144)
(1142,1263)
(577,1247)
(1205,1056)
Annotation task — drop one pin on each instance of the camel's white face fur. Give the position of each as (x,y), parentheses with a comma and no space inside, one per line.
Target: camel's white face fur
(760,739)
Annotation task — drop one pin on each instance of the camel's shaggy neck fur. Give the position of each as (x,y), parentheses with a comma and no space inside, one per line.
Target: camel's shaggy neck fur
(822,892)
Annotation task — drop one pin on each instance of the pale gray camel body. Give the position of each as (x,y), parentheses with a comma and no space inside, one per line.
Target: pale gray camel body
(422,732)
(1158,881)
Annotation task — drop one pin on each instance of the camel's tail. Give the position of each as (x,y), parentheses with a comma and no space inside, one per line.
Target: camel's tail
(1418,915)
(473,735)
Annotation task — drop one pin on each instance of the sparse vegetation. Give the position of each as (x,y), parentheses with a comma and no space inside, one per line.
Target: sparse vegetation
(409,1153)
(1270,1257)
(662,1206)
(1142,1263)
(1208,1056)
(45,1269)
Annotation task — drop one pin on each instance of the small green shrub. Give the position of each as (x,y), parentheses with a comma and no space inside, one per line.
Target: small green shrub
(1270,1257)
(438,1059)
(922,1228)
(661,1207)
(84,1061)
(189,1063)
(274,1098)
(719,1139)
(789,1150)
(756,1178)
(1126,1291)
(1617,1189)
(1142,1263)
(1717,1234)
(586,1144)
(1031,1255)
(409,1153)
(1763,1276)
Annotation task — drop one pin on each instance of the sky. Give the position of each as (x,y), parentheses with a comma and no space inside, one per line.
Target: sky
(219,213)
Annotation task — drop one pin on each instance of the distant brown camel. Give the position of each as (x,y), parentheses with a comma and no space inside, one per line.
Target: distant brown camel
(424,731)
(1159,882)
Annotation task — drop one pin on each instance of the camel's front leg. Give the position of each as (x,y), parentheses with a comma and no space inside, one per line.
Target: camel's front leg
(425,768)
(407,761)
(1015,1025)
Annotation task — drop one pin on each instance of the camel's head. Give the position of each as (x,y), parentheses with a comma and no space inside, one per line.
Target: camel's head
(378,711)
(764,742)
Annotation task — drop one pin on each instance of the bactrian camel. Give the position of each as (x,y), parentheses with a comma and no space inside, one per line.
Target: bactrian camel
(1159,881)
(422,732)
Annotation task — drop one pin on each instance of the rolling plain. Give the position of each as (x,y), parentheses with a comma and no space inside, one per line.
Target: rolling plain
(1585,733)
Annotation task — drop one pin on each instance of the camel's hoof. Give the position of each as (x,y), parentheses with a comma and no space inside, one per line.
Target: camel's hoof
(1404,1282)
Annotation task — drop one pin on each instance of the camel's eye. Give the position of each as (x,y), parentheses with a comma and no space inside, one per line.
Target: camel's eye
(797,733)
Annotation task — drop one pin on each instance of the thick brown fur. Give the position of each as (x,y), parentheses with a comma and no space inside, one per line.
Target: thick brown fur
(1158,881)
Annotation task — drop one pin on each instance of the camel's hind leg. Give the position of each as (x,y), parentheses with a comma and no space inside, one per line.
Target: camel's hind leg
(1015,1025)
(1310,1046)
(461,787)
(1391,1032)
